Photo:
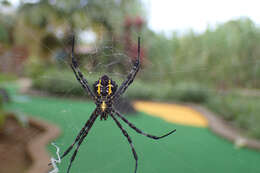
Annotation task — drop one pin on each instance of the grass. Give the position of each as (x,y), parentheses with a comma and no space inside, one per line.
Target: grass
(7,77)
(106,149)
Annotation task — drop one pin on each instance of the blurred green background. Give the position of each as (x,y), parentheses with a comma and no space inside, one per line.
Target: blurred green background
(218,68)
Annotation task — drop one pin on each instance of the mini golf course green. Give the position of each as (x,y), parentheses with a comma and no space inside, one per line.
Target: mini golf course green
(105,150)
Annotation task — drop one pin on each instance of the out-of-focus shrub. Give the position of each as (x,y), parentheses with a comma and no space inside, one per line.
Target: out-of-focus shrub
(35,67)
(242,111)
(64,83)
(60,82)
(191,92)
(226,56)
(2,116)
(7,77)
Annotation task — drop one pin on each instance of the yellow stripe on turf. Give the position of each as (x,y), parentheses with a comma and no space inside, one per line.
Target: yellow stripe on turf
(173,113)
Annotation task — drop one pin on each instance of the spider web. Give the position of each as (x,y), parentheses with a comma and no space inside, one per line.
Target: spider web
(120,58)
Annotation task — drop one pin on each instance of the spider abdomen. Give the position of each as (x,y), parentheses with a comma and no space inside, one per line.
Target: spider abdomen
(105,87)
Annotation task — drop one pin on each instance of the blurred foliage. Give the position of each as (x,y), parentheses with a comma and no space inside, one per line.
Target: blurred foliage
(7,77)
(5,3)
(49,24)
(226,56)
(46,27)
(160,56)
(61,82)
(241,111)
(3,33)
(64,83)
(35,68)
(191,92)
(2,115)
(6,29)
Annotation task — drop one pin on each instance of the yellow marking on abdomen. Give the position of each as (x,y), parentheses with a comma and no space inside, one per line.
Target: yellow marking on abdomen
(103,106)
(99,87)
(109,87)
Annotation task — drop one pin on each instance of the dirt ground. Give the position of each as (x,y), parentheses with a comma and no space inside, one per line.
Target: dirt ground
(13,146)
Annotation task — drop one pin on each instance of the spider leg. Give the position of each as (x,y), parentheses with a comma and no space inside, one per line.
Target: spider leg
(85,133)
(130,78)
(138,130)
(80,134)
(128,138)
(75,67)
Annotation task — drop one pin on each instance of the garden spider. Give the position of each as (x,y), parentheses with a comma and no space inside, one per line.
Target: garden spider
(105,94)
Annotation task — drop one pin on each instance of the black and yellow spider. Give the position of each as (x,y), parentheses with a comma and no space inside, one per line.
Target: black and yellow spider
(105,94)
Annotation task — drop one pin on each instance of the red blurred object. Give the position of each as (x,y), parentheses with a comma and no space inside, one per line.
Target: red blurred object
(131,47)
(12,60)
(128,22)
(139,22)
(20,53)
(131,51)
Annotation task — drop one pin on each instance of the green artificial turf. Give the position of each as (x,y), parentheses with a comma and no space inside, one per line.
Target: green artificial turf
(105,150)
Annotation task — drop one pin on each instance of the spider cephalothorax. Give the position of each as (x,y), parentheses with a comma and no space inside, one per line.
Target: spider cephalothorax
(105,94)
